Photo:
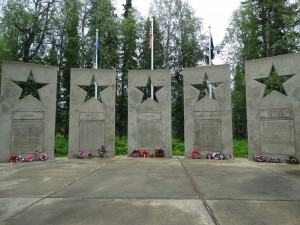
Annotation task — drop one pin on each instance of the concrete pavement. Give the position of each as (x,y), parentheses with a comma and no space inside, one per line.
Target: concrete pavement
(131,191)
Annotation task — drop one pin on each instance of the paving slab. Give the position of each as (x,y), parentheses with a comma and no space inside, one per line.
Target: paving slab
(237,179)
(135,178)
(125,190)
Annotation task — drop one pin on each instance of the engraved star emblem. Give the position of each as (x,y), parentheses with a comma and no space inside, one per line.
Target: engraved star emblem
(147,90)
(90,90)
(204,88)
(30,87)
(274,82)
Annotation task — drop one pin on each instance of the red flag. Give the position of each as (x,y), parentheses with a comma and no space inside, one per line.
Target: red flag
(150,38)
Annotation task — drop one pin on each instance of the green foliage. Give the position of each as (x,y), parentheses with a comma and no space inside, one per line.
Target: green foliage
(121,146)
(61,146)
(240,148)
(177,147)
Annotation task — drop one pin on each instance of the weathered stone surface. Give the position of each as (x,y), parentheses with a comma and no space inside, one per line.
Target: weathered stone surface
(27,122)
(92,122)
(149,121)
(273,118)
(208,120)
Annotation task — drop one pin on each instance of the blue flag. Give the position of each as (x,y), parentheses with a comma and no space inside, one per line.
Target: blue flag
(98,52)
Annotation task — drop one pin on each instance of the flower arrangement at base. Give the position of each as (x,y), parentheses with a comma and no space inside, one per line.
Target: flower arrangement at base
(260,158)
(196,154)
(14,159)
(209,156)
(219,156)
(21,158)
(136,153)
(29,158)
(152,155)
(80,154)
(291,160)
(144,154)
(159,153)
(43,157)
(90,156)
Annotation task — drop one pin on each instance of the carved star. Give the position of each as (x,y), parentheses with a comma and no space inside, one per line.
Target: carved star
(274,82)
(204,88)
(90,90)
(30,87)
(147,90)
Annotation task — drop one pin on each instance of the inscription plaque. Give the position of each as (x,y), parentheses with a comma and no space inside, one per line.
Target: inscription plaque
(208,135)
(92,116)
(27,136)
(277,136)
(149,135)
(92,135)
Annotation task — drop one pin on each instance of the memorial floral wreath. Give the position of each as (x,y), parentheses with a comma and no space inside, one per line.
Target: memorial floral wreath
(291,160)
(219,156)
(144,154)
(196,154)
(14,159)
(90,156)
(260,158)
(136,153)
(159,153)
(80,154)
(209,156)
(43,156)
(29,158)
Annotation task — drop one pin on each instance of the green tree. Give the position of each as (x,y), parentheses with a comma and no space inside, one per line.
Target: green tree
(71,55)
(25,28)
(128,61)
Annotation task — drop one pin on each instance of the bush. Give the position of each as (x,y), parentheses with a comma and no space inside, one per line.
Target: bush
(240,148)
(61,146)
(177,147)
(121,146)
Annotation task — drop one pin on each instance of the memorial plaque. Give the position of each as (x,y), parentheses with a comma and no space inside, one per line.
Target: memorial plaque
(276,136)
(92,135)
(149,135)
(273,110)
(27,136)
(207,111)
(208,135)
(149,116)
(92,120)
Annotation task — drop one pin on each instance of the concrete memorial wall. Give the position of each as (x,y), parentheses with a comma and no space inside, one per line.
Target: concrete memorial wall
(27,110)
(207,118)
(92,121)
(149,120)
(273,110)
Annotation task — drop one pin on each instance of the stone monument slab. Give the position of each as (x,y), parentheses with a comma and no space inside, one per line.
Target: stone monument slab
(92,121)
(149,120)
(208,117)
(27,117)
(273,111)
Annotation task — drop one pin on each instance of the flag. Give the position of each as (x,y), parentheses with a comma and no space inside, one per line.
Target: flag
(98,51)
(212,48)
(150,38)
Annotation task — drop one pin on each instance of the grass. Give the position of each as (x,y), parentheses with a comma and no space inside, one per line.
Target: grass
(240,147)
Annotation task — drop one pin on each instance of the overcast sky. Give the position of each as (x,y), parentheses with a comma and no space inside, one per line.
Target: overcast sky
(215,13)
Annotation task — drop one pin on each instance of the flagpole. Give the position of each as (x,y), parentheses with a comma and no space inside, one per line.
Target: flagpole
(152,53)
(96,87)
(209,58)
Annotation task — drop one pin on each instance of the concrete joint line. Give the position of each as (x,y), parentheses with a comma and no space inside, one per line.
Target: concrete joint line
(54,192)
(209,210)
